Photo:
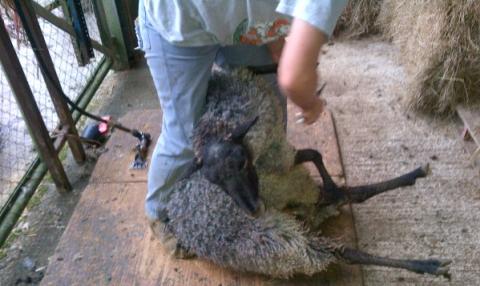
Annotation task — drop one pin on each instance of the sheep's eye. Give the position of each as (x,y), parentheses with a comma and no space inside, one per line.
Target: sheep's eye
(236,164)
(242,163)
(240,158)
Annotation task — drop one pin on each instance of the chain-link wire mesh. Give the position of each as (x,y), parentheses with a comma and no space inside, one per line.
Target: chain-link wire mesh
(17,150)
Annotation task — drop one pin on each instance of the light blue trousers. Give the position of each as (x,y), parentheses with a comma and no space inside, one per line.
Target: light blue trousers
(181,75)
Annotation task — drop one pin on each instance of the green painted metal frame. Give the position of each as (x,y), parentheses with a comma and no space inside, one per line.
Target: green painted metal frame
(127,12)
(111,33)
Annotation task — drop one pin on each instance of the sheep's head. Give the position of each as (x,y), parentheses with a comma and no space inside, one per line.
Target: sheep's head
(228,163)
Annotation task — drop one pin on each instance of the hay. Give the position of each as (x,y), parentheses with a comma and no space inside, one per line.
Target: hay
(439,42)
(359,19)
(7,4)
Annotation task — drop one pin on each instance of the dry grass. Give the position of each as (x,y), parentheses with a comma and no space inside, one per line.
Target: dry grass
(359,19)
(439,43)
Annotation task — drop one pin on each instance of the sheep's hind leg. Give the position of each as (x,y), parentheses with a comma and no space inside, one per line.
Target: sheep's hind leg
(430,266)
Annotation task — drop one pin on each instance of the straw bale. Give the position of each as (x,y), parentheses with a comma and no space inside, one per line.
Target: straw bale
(359,19)
(439,42)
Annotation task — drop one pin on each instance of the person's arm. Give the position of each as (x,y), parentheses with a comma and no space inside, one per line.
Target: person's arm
(297,70)
(314,22)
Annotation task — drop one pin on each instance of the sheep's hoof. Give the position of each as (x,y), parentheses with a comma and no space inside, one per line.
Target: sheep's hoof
(181,253)
(426,170)
(437,267)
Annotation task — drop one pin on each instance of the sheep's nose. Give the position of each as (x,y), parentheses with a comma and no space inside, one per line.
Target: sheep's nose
(259,210)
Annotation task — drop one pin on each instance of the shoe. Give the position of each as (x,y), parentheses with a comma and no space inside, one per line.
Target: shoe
(170,243)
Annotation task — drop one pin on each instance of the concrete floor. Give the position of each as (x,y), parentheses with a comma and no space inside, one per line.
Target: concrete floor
(379,138)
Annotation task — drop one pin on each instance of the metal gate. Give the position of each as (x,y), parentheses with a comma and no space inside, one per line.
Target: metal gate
(35,121)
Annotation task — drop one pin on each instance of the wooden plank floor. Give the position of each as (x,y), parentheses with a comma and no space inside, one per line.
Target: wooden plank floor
(471,120)
(108,242)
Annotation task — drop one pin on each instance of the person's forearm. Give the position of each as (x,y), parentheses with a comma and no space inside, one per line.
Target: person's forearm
(297,74)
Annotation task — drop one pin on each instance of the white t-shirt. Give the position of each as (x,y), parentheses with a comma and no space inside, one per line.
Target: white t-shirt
(227,22)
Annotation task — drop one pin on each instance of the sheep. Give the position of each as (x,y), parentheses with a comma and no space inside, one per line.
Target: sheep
(240,203)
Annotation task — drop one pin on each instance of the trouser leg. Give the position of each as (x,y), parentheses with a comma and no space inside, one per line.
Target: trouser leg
(180,75)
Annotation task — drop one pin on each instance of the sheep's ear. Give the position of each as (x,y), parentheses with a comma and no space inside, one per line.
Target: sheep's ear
(240,131)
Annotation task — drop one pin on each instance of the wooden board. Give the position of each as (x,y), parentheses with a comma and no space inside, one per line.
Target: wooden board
(471,119)
(108,242)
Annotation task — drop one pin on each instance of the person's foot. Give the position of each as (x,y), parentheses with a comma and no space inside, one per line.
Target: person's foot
(181,253)
(169,241)
(158,229)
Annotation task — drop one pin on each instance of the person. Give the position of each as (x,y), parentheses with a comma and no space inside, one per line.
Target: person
(182,39)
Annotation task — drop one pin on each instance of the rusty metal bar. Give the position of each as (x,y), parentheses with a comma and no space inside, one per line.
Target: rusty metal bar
(53,5)
(60,136)
(35,35)
(24,97)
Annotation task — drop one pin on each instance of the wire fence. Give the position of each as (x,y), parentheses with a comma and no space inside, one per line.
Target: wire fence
(17,151)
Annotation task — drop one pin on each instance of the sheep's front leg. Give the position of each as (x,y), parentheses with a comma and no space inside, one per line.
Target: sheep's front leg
(431,266)
(332,192)
(360,194)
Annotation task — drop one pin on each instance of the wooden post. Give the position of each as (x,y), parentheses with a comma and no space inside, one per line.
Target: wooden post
(34,33)
(24,97)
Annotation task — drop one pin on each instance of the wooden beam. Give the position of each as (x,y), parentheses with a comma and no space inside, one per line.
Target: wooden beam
(471,121)
(31,114)
(35,35)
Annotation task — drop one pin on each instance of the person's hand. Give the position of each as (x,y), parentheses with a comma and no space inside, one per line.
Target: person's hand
(311,113)
(297,70)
